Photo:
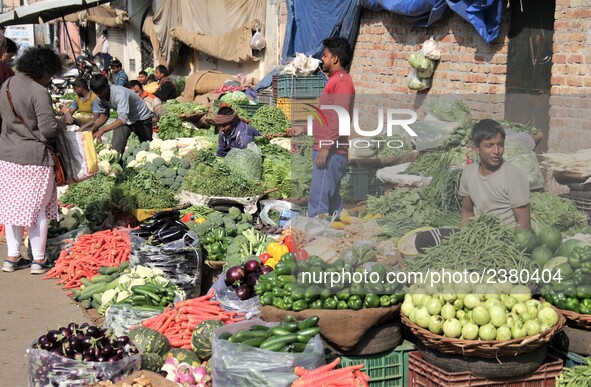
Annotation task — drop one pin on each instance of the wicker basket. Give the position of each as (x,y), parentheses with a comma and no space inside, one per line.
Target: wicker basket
(576,320)
(483,348)
(406,244)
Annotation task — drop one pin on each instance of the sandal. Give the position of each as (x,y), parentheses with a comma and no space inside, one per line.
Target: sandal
(10,266)
(40,267)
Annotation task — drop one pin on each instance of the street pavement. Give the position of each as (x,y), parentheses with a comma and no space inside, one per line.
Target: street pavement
(30,307)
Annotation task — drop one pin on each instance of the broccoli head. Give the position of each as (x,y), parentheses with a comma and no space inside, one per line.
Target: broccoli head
(235,213)
(243,227)
(200,229)
(246,218)
(216,219)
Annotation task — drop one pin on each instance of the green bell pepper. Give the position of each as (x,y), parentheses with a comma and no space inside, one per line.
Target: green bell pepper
(282,268)
(215,248)
(355,302)
(560,301)
(208,239)
(343,295)
(288,303)
(219,234)
(572,304)
(259,288)
(585,254)
(278,302)
(316,304)
(267,298)
(357,289)
(584,291)
(342,305)
(325,294)
(288,288)
(278,292)
(300,305)
(586,267)
(312,293)
(586,302)
(314,260)
(330,303)
(371,301)
(288,257)
(385,301)
(396,298)
(566,271)
(297,293)
(574,259)
(580,278)
(584,309)
(570,291)
(375,288)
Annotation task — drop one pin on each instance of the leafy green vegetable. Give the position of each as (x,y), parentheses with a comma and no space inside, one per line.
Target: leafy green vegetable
(269,120)
(526,161)
(245,162)
(219,180)
(141,189)
(92,196)
(172,106)
(550,210)
(234,97)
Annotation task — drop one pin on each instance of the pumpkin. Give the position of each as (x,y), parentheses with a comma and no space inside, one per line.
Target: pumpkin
(182,355)
(201,337)
(148,340)
(151,362)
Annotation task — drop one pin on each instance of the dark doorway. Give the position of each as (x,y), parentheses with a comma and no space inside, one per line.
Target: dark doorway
(529,65)
(146,49)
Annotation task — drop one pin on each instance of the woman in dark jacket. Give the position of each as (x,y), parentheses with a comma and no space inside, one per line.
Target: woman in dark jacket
(28,194)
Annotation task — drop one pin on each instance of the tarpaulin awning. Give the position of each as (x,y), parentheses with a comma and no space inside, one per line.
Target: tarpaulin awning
(310,22)
(200,17)
(102,15)
(44,11)
(233,46)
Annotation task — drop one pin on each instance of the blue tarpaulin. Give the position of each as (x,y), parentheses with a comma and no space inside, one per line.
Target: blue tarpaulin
(310,22)
(484,15)
(420,13)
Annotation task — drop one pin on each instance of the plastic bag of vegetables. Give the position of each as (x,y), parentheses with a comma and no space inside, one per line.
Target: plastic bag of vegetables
(120,317)
(230,301)
(527,161)
(237,364)
(415,82)
(246,162)
(422,64)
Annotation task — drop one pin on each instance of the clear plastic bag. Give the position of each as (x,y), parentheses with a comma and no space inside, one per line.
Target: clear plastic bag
(55,246)
(283,207)
(179,260)
(120,317)
(237,365)
(50,369)
(415,82)
(246,162)
(230,301)
(257,42)
(431,49)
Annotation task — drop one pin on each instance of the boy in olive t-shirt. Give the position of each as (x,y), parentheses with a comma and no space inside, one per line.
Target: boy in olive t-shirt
(494,186)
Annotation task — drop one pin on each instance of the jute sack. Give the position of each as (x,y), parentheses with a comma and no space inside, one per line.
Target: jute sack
(342,327)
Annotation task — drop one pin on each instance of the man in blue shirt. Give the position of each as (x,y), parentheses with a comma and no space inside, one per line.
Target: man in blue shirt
(233,132)
(133,114)
(119,76)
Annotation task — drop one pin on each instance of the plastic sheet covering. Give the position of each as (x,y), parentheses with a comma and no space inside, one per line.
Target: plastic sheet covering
(484,15)
(120,317)
(50,369)
(310,22)
(179,260)
(55,246)
(420,13)
(236,364)
(230,301)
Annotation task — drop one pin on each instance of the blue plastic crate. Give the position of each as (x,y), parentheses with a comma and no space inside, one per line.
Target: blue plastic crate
(290,86)
(570,359)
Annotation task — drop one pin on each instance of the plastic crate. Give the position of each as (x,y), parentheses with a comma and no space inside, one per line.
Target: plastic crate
(386,369)
(296,110)
(583,205)
(423,374)
(290,86)
(249,108)
(570,359)
(363,182)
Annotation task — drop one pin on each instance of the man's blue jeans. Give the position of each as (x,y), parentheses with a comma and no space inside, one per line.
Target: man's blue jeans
(326,184)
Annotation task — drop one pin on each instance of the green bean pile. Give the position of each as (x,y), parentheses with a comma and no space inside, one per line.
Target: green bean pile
(269,120)
(484,243)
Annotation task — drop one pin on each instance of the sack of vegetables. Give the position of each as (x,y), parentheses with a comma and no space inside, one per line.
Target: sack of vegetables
(269,357)
(79,355)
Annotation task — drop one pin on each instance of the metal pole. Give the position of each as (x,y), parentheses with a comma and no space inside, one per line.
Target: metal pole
(69,38)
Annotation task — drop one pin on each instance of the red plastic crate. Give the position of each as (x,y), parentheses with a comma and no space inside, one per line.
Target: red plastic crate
(423,374)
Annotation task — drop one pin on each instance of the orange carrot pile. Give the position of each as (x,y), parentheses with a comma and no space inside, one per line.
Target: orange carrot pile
(84,258)
(328,376)
(178,322)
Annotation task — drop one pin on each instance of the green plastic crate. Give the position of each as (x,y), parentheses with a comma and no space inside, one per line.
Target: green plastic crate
(385,369)
(290,86)
(363,182)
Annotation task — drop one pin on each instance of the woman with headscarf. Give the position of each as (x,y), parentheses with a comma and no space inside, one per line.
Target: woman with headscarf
(28,194)
(233,132)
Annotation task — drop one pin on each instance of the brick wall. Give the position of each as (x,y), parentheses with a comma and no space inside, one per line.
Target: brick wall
(468,65)
(570,115)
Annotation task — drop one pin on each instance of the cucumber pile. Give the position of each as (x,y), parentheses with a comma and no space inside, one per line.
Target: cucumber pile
(290,336)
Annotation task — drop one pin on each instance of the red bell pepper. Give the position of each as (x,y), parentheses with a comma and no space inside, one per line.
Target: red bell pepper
(187,217)
(290,243)
(301,255)
(264,257)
